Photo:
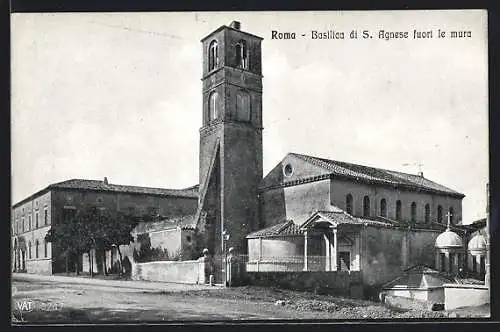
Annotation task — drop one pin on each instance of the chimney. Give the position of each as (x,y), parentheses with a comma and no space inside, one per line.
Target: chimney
(421,174)
(235,25)
(105,180)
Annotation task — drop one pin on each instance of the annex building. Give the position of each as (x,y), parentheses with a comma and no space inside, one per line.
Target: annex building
(308,215)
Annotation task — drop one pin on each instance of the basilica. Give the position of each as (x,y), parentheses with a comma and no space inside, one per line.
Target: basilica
(337,223)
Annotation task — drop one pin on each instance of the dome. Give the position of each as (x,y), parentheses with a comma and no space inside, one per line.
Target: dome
(448,239)
(477,243)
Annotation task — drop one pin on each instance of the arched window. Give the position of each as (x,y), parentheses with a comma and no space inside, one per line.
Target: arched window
(242,54)
(442,259)
(29,249)
(36,219)
(45,244)
(413,212)
(22,226)
(474,264)
(36,248)
(213,106)
(348,204)
(242,106)
(427,213)
(450,211)
(383,207)
(440,214)
(213,56)
(398,210)
(366,206)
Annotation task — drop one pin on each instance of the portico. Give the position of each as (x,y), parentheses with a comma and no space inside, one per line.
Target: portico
(331,242)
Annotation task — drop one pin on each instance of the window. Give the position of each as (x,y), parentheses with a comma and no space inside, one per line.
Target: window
(451,260)
(36,249)
(29,249)
(398,210)
(440,214)
(188,238)
(36,219)
(442,258)
(348,204)
(288,170)
(213,106)
(22,225)
(427,213)
(366,206)
(45,244)
(68,214)
(413,212)
(459,258)
(242,106)
(45,217)
(450,211)
(383,207)
(242,54)
(213,56)
(482,265)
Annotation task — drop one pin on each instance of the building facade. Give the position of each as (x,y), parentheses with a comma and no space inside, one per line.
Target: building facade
(32,218)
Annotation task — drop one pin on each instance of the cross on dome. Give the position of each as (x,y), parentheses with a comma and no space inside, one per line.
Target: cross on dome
(449,214)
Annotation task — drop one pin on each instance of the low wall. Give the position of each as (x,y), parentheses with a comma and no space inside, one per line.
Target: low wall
(461,295)
(404,302)
(331,282)
(39,266)
(187,272)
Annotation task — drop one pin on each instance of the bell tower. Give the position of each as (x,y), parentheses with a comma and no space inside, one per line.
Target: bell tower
(230,137)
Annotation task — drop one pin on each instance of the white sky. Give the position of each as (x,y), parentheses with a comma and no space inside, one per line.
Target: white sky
(119,95)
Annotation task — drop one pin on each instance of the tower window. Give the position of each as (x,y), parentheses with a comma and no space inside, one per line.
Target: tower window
(36,249)
(366,206)
(427,213)
(398,210)
(413,212)
(243,106)
(213,106)
(213,56)
(242,54)
(383,207)
(442,259)
(348,204)
(451,262)
(440,214)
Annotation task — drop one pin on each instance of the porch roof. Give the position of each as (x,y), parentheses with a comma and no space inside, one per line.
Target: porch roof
(339,217)
(287,228)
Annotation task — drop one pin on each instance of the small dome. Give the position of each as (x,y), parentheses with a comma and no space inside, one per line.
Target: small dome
(448,239)
(477,243)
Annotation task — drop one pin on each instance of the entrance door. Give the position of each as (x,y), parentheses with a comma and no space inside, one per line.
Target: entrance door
(344,261)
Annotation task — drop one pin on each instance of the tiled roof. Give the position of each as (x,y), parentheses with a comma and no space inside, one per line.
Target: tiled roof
(98,185)
(184,222)
(287,228)
(344,218)
(378,175)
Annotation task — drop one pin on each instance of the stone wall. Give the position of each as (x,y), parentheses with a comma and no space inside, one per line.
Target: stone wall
(39,266)
(339,283)
(188,272)
(457,296)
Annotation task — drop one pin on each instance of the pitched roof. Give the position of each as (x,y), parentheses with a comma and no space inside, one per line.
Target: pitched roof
(183,222)
(419,276)
(98,185)
(287,228)
(342,218)
(378,175)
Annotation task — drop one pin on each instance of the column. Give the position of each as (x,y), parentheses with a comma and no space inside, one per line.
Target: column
(335,253)
(306,236)
(328,265)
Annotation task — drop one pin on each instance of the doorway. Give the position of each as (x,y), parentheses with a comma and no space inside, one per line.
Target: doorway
(344,261)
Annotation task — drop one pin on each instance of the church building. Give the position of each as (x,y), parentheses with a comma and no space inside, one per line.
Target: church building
(308,214)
